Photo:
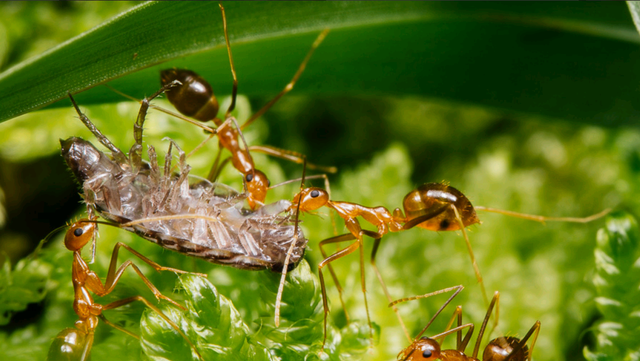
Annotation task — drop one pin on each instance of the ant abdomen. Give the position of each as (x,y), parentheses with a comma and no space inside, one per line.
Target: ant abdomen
(70,344)
(194,98)
(502,347)
(430,196)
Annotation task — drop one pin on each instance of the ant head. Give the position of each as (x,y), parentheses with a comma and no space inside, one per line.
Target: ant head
(424,349)
(257,186)
(501,348)
(311,199)
(79,234)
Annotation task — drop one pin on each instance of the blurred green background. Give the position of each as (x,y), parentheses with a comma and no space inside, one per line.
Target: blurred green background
(573,154)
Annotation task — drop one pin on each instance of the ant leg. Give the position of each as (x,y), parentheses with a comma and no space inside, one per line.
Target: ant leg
(128,300)
(473,257)
(293,81)
(342,238)
(457,289)
(543,219)
(339,254)
(234,90)
(495,301)
(117,327)
(376,244)
(117,153)
(156,266)
(289,155)
(535,328)
(94,284)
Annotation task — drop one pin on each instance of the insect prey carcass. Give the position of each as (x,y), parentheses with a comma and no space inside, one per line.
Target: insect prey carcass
(183,213)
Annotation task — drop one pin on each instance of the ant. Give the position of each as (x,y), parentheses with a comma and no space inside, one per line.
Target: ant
(76,342)
(194,97)
(432,206)
(503,348)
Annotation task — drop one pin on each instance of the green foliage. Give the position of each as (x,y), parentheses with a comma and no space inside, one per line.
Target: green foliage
(617,281)
(21,286)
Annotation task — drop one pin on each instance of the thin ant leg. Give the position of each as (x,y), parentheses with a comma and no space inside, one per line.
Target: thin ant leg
(94,283)
(376,244)
(495,302)
(117,327)
(344,252)
(535,330)
(173,325)
(364,285)
(289,155)
(342,238)
(473,257)
(457,289)
(234,90)
(543,219)
(117,153)
(290,85)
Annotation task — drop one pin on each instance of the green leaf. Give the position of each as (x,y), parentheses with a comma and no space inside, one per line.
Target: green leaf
(618,283)
(533,58)
(23,285)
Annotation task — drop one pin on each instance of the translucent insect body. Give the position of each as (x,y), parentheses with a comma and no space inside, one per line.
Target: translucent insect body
(191,216)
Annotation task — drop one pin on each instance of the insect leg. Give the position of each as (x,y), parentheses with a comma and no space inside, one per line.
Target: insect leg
(117,153)
(543,219)
(457,289)
(345,237)
(128,300)
(495,301)
(473,258)
(136,149)
(339,254)
(289,155)
(376,244)
(293,81)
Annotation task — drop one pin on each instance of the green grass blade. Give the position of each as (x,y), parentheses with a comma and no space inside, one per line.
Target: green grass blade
(533,58)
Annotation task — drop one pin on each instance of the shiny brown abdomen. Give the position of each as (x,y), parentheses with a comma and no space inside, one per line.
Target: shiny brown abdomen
(430,196)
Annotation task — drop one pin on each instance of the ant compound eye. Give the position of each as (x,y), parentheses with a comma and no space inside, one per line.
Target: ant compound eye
(249,177)
(314,193)
(427,353)
(78,232)
(268,183)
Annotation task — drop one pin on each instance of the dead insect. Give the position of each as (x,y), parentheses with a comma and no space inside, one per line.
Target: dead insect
(197,218)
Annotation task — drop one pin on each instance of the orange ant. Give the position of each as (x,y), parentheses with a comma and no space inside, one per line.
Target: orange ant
(194,97)
(76,342)
(502,348)
(433,206)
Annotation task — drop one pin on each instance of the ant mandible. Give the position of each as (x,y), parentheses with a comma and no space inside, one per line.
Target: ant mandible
(76,342)
(432,206)
(503,348)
